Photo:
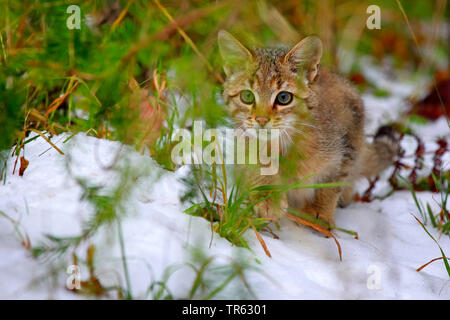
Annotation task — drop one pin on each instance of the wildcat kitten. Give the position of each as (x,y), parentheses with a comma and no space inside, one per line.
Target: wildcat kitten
(320,116)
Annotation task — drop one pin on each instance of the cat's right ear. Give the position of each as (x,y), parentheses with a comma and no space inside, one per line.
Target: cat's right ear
(306,55)
(234,54)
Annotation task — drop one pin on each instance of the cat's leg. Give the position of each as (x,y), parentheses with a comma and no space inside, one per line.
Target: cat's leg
(346,196)
(323,205)
(273,207)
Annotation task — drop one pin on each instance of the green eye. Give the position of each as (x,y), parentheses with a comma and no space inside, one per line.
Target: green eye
(247,97)
(284,98)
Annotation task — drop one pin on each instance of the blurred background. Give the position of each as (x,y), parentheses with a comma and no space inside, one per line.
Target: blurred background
(135,69)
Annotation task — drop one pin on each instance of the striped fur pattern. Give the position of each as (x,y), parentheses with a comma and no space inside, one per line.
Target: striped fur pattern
(321,128)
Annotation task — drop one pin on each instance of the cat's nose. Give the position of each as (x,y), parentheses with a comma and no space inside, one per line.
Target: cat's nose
(262,120)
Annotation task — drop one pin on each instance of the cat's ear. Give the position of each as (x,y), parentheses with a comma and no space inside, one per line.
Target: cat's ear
(234,54)
(306,55)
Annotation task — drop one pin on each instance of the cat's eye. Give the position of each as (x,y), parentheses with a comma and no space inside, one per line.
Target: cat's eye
(247,97)
(284,98)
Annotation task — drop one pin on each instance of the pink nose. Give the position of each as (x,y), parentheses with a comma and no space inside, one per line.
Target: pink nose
(262,120)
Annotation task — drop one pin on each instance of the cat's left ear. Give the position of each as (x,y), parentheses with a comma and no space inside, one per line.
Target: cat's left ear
(306,55)
(234,54)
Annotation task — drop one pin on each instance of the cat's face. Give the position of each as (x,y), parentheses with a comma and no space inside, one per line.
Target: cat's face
(266,88)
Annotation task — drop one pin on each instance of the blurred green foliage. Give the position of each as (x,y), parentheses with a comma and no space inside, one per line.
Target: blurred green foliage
(123,40)
(130,70)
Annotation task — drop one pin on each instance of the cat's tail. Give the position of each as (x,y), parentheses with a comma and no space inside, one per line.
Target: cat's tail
(379,154)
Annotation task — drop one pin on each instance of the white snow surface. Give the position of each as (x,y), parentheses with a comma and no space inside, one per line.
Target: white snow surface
(381,264)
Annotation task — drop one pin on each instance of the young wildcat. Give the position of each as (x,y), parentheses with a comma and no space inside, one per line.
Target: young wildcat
(320,117)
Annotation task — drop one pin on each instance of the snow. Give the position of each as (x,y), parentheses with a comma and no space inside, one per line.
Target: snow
(47,199)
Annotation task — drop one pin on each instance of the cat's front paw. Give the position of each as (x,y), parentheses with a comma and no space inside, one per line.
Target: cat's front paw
(325,219)
(270,209)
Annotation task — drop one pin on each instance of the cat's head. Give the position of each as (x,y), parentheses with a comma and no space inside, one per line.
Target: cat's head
(265,88)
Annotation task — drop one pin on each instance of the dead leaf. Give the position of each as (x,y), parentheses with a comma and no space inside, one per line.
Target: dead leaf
(23,165)
(150,103)
(437,102)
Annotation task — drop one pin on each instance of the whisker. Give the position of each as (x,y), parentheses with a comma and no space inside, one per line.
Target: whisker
(305,124)
(295,130)
(284,143)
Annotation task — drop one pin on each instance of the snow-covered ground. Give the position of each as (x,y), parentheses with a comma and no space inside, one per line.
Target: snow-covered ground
(381,264)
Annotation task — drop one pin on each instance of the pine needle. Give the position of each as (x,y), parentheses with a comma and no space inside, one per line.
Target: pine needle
(316,227)
(48,140)
(263,244)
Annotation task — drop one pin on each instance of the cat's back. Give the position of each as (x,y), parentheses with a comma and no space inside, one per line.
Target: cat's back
(338,99)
